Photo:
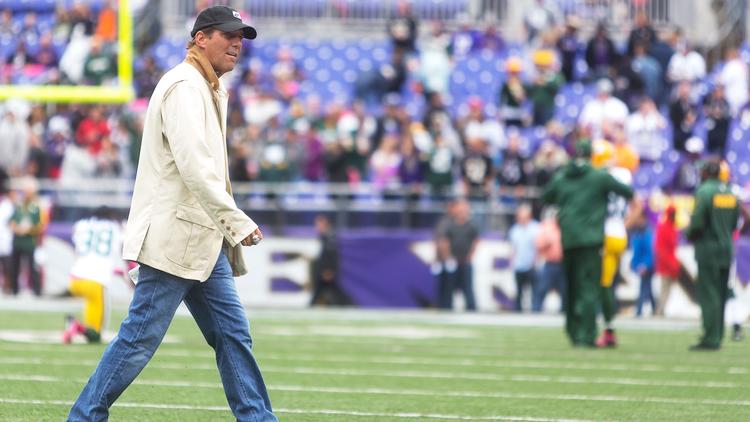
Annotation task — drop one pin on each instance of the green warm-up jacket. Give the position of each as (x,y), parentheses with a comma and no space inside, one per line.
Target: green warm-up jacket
(714,220)
(581,194)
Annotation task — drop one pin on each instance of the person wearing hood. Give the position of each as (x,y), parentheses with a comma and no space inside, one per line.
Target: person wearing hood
(581,194)
(715,217)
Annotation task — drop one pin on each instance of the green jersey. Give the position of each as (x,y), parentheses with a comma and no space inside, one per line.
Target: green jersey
(714,220)
(581,194)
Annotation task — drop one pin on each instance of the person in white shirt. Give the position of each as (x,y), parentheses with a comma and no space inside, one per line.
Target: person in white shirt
(98,245)
(645,131)
(603,112)
(734,76)
(686,65)
(6,235)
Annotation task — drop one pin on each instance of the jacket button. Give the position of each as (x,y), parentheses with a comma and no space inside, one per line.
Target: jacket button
(222,221)
(233,234)
(227,227)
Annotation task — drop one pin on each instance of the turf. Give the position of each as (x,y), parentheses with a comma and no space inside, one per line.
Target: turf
(370,366)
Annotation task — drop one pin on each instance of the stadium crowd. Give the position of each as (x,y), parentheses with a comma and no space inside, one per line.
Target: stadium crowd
(650,94)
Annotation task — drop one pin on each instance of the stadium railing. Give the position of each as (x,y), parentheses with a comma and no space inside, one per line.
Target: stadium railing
(282,204)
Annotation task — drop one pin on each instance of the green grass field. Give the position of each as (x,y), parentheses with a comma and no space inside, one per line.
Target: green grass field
(371,366)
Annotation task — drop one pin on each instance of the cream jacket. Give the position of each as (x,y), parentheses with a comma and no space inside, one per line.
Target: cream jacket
(183,210)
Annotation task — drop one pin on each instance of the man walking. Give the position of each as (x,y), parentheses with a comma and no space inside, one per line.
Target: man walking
(186,231)
(581,194)
(716,214)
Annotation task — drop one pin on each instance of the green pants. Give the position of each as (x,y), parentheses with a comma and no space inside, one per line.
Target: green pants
(712,292)
(583,268)
(609,303)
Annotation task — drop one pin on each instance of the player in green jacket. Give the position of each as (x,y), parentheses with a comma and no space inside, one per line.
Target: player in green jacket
(711,229)
(581,194)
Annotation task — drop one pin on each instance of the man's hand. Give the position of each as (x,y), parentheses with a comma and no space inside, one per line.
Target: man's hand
(254,238)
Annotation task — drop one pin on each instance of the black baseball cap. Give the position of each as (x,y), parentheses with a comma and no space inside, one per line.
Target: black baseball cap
(224,19)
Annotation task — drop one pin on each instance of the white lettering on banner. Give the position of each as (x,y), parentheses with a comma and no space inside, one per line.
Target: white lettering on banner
(255,289)
(291,258)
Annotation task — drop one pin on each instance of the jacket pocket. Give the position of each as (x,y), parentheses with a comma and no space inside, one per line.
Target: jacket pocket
(191,237)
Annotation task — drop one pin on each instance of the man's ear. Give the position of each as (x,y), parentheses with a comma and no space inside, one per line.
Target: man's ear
(200,39)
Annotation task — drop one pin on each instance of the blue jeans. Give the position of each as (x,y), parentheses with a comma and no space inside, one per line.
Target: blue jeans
(221,318)
(551,277)
(645,295)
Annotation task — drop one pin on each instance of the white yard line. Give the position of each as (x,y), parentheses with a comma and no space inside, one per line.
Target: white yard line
(349,372)
(461,362)
(354,413)
(408,392)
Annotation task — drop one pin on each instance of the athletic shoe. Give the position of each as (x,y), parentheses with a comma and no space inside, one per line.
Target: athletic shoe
(72,328)
(737,332)
(607,339)
(702,347)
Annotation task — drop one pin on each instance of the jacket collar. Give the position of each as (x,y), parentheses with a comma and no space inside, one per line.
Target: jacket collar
(200,62)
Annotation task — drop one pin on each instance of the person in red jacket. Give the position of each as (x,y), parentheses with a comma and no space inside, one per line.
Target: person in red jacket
(667,265)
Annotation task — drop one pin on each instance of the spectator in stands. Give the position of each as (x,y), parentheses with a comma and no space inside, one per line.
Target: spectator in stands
(389,78)
(14,143)
(9,28)
(457,243)
(19,57)
(491,39)
(683,114)
(99,68)
(63,25)
(435,60)
(439,168)
(78,164)
(26,225)
(411,169)
(6,235)
(46,54)
(402,28)
(643,33)
(394,120)
(385,162)
(275,163)
(106,23)
(628,85)
(313,164)
(645,130)
(734,76)
(92,129)
(662,50)
(80,15)
(513,95)
(30,29)
(601,53)
(286,75)
(147,77)
(58,136)
(476,170)
(543,89)
(549,248)
(37,162)
(325,268)
(515,170)
(539,17)
(687,177)
(603,112)
(718,114)
(108,164)
(649,71)
(568,47)
(548,159)
(641,241)
(476,124)
(522,237)
(625,155)
(465,39)
(686,65)
(438,122)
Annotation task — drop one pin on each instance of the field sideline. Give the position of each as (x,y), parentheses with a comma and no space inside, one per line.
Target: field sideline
(401,366)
